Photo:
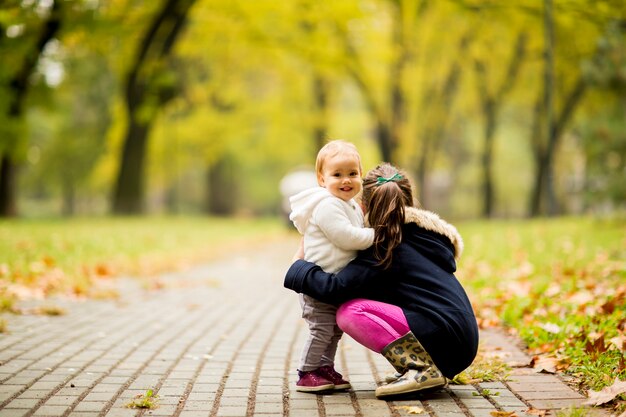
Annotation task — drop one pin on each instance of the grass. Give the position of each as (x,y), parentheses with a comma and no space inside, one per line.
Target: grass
(148,400)
(573,412)
(559,283)
(43,257)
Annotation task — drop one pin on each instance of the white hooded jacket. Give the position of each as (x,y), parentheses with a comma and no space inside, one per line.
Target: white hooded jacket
(332,228)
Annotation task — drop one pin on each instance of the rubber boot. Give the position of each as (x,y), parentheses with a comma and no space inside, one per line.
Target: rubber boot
(419,372)
(392,376)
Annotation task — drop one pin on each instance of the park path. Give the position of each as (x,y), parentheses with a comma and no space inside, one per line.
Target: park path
(221,339)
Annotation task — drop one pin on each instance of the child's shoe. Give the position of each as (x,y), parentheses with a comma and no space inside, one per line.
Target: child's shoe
(335,377)
(313,381)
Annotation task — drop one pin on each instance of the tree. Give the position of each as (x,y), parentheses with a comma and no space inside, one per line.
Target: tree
(390,113)
(80,109)
(151,82)
(437,112)
(604,131)
(555,107)
(41,28)
(491,104)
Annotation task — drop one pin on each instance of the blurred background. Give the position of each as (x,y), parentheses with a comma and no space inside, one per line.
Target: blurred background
(510,108)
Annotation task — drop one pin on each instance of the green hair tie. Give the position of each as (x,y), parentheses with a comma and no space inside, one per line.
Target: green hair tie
(383,180)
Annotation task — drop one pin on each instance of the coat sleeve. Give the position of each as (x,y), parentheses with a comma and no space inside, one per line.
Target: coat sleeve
(335,224)
(354,281)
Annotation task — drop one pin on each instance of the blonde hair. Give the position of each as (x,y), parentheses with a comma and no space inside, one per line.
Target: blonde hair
(334,148)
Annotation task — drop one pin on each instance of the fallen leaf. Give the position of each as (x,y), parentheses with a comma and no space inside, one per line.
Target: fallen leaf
(551,328)
(618,298)
(581,298)
(519,364)
(536,412)
(103,270)
(48,261)
(412,409)
(545,364)
(607,394)
(595,345)
(503,414)
(618,342)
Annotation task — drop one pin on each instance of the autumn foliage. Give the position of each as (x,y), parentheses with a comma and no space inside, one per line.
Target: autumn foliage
(561,286)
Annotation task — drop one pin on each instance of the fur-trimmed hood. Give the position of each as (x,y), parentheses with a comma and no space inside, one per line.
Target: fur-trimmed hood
(431,221)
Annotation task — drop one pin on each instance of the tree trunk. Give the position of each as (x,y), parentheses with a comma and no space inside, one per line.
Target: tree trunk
(154,50)
(543,198)
(420,172)
(489,109)
(397,97)
(320,100)
(487,161)
(436,122)
(69,198)
(129,190)
(389,117)
(385,141)
(534,208)
(19,86)
(8,206)
(222,186)
(548,20)
(406,15)
(491,105)
(381,126)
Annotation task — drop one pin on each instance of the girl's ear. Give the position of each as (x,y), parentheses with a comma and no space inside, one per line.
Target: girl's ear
(320,180)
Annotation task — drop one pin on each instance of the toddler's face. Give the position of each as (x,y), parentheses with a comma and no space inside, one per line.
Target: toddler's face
(341,176)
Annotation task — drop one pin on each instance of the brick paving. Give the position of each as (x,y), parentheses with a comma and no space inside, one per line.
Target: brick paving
(220,340)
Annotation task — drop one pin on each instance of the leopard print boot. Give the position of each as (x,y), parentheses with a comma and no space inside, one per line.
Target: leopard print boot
(419,372)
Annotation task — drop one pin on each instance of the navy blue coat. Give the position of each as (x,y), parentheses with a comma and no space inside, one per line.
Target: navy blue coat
(420,280)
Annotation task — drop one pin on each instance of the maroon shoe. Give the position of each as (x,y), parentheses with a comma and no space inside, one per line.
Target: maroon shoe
(313,381)
(335,377)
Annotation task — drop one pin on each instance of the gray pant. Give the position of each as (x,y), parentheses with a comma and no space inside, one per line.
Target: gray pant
(324,334)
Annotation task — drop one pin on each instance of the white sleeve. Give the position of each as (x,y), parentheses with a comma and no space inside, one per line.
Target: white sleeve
(335,224)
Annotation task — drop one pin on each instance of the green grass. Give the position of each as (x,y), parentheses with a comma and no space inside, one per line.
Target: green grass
(148,400)
(43,257)
(560,283)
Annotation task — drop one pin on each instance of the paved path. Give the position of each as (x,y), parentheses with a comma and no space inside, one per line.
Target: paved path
(219,340)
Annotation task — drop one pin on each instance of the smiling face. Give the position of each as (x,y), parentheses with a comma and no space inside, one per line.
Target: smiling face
(341,175)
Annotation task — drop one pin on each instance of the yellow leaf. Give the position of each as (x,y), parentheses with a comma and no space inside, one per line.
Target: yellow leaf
(412,409)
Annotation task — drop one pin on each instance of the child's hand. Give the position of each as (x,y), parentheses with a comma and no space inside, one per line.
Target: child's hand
(300,252)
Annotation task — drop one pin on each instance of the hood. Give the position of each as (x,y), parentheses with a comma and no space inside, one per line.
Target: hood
(303,204)
(432,222)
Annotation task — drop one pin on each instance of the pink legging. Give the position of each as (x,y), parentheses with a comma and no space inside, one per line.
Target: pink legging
(372,323)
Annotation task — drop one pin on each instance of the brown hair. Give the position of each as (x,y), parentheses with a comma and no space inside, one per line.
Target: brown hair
(386,192)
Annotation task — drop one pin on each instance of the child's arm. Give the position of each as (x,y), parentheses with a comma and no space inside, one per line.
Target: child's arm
(299,252)
(333,221)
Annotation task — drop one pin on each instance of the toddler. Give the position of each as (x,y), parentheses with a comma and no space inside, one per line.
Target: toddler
(332,224)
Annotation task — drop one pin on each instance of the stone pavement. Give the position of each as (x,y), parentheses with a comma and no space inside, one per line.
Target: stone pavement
(222,339)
